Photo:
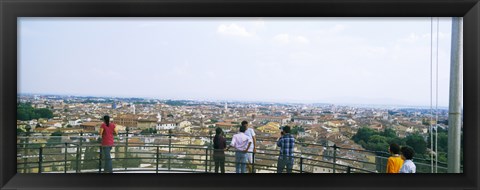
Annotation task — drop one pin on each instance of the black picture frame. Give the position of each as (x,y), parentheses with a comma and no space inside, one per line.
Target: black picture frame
(10,10)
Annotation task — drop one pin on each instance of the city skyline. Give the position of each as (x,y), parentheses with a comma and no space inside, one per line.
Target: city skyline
(323,60)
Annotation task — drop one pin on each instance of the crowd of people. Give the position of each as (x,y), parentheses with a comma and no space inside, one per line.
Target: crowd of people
(244,145)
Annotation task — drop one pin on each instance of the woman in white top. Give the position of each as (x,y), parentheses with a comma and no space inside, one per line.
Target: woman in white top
(408,165)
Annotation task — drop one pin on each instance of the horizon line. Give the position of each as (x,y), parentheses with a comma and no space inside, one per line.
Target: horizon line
(246,101)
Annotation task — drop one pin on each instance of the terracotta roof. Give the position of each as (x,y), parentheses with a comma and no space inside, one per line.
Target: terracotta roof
(94,124)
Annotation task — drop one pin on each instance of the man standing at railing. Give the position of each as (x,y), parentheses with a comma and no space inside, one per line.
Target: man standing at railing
(286,143)
(241,143)
(251,134)
(107,131)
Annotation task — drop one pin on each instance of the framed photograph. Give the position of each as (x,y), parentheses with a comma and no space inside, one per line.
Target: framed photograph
(311,94)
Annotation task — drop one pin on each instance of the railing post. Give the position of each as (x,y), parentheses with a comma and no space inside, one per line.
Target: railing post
(158,153)
(40,160)
(26,142)
(334,157)
(65,163)
(211,151)
(25,158)
(77,160)
(206,160)
(100,160)
(349,169)
(169,148)
(125,158)
(301,164)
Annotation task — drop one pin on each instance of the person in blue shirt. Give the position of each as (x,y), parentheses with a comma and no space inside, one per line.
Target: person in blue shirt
(408,165)
(286,143)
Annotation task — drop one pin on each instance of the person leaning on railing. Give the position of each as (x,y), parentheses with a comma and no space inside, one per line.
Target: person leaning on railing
(286,143)
(241,143)
(408,165)
(394,162)
(219,145)
(251,134)
(107,131)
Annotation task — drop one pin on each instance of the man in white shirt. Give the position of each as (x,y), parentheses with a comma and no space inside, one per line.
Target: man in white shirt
(251,134)
(241,143)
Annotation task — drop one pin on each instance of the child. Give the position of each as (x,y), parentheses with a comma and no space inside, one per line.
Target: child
(408,165)
(394,162)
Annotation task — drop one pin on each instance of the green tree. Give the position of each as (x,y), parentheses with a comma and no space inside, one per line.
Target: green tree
(55,138)
(25,112)
(417,142)
(377,143)
(43,113)
(389,133)
(364,134)
(148,131)
(297,129)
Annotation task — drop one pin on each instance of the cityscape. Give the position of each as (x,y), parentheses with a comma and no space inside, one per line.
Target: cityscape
(348,88)
(144,122)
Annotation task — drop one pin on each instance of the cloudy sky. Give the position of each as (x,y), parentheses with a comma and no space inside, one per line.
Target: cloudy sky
(325,60)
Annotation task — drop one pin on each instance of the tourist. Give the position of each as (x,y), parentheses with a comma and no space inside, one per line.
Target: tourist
(286,143)
(219,145)
(107,131)
(241,143)
(251,134)
(408,165)
(394,162)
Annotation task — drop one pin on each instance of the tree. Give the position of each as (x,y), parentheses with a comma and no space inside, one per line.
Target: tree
(25,112)
(417,142)
(442,141)
(55,138)
(377,143)
(389,133)
(297,129)
(44,113)
(149,131)
(364,134)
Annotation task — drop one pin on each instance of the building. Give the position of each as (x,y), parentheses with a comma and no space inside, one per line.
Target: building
(166,125)
(278,119)
(227,126)
(305,120)
(146,123)
(271,128)
(128,120)
(91,126)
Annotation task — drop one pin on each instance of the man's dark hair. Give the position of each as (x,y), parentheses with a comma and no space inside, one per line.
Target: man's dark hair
(407,152)
(244,123)
(243,128)
(394,148)
(286,129)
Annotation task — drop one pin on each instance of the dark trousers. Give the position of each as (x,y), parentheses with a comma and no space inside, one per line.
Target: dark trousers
(107,159)
(284,161)
(219,162)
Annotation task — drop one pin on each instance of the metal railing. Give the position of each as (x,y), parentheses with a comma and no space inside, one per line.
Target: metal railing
(84,156)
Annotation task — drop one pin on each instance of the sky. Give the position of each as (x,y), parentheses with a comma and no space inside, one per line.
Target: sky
(302,60)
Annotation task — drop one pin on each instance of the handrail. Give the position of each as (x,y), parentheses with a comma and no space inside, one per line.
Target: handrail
(206,146)
(41,156)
